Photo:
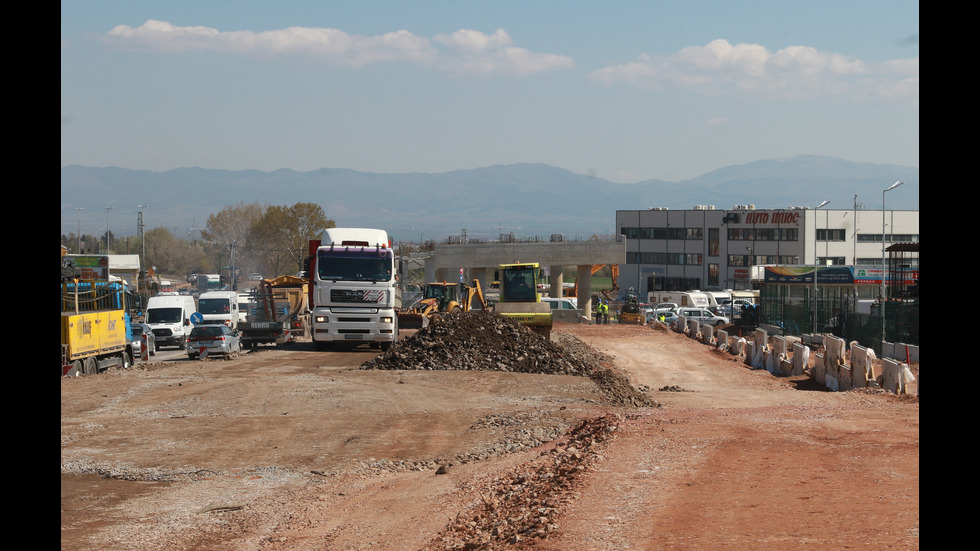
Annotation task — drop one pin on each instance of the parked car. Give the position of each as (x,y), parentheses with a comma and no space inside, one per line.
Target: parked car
(670,317)
(702,315)
(664,307)
(255,276)
(216,339)
(137,331)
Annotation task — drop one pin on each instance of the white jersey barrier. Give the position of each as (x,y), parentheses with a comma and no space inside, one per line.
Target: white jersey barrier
(831,369)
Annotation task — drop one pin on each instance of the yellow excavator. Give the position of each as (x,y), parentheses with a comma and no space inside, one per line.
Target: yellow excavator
(440,298)
(519,298)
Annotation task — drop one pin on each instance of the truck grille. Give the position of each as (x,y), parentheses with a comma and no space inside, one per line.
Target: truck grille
(357,296)
(162,332)
(354,320)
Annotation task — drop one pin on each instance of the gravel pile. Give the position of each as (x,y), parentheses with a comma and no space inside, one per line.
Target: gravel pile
(485,340)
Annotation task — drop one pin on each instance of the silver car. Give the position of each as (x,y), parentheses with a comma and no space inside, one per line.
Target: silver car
(213,340)
(702,315)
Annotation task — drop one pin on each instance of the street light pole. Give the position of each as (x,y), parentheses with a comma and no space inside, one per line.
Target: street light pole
(78,230)
(815,265)
(881,307)
(107,209)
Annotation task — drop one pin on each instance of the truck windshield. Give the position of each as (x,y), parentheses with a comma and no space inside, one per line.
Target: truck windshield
(354,265)
(163,315)
(214,306)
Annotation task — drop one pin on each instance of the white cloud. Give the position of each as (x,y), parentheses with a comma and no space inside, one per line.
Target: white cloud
(795,71)
(465,51)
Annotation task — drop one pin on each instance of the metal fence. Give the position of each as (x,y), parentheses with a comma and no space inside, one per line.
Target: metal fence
(793,310)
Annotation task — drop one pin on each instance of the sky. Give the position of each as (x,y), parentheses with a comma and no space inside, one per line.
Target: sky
(623,90)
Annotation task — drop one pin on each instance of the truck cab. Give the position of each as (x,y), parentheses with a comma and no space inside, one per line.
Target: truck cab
(352,289)
(219,307)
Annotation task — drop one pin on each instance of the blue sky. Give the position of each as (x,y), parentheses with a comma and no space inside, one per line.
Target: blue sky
(623,90)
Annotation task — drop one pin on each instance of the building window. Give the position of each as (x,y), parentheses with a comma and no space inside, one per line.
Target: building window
(890,238)
(714,242)
(830,260)
(763,234)
(830,235)
(713,274)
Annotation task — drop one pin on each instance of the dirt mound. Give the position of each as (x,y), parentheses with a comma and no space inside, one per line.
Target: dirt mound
(484,340)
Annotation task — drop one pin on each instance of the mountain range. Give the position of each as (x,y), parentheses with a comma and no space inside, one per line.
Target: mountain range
(526,199)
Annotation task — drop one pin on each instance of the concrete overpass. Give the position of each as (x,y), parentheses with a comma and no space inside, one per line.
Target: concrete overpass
(480,260)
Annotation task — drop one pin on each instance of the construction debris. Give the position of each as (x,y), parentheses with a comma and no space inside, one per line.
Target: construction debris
(485,340)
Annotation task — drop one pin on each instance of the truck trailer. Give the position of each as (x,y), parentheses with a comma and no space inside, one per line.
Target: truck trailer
(279,311)
(353,294)
(95,327)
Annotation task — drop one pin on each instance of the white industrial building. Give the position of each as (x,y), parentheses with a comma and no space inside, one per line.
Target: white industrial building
(706,248)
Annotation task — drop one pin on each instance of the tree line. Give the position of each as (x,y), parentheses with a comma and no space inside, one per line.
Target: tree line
(272,240)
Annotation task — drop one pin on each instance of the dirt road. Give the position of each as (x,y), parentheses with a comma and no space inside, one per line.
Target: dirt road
(296,449)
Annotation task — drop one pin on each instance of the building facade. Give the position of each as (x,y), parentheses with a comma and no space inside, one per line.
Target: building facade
(705,248)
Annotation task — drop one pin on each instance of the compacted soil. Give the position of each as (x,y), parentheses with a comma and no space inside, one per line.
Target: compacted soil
(480,435)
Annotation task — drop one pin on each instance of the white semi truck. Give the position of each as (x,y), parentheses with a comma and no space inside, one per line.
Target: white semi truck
(353,293)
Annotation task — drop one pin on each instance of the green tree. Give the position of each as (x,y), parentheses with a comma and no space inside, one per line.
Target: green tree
(281,237)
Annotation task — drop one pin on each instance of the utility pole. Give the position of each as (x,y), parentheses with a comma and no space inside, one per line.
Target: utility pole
(107,209)
(78,231)
(139,233)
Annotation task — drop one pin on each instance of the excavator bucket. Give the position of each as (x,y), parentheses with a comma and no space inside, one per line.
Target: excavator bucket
(412,320)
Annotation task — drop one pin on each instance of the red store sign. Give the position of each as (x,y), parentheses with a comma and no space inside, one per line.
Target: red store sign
(790,217)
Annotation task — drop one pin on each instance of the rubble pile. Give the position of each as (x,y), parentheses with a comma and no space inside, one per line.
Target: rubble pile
(526,503)
(484,340)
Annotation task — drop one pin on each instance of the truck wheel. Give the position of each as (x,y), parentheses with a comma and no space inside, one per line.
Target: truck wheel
(76,369)
(90,367)
(127,362)
(182,345)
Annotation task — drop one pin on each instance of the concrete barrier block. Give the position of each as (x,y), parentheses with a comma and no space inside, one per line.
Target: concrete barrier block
(780,345)
(895,376)
(819,369)
(707,334)
(785,365)
(900,351)
(862,365)
(844,378)
(801,359)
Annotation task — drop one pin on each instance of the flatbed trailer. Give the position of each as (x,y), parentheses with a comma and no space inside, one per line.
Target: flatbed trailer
(264,321)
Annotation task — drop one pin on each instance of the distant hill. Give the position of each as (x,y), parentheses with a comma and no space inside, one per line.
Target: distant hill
(525,199)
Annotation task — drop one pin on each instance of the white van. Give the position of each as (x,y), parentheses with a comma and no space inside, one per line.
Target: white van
(169,317)
(562,303)
(219,307)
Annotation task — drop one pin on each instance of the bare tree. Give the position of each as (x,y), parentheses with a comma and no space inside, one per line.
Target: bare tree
(283,235)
